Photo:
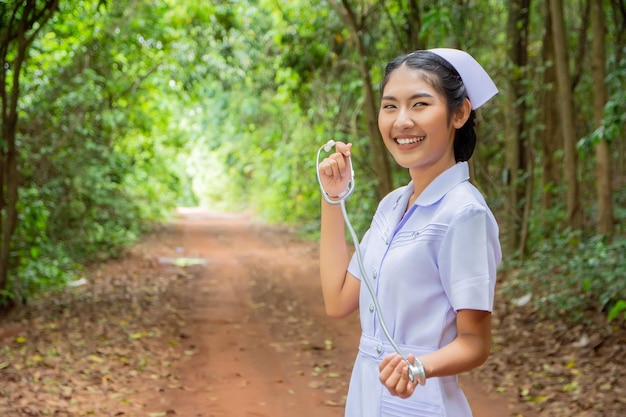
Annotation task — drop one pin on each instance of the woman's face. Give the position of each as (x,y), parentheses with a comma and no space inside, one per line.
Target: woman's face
(413,121)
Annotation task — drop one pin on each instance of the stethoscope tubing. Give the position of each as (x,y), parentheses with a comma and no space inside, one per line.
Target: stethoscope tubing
(415,370)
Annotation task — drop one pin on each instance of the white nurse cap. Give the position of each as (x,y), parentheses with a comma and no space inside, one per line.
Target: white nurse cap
(480,87)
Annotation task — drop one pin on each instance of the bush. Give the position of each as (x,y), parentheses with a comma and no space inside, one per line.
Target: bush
(569,275)
(37,263)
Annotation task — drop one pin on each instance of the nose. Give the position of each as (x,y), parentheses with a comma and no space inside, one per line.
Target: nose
(403,120)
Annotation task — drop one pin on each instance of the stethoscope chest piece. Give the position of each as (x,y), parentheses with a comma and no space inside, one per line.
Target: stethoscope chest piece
(416,372)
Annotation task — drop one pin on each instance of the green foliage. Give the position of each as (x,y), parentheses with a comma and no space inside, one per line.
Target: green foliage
(129,109)
(85,149)
(614,120)
(619,307)
(39,263)
(570,275)
(612,127)
(100,159)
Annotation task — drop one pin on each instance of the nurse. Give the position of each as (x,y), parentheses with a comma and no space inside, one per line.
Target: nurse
(432,249)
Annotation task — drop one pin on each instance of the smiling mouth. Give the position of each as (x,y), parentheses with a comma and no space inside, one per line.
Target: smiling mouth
(410,141)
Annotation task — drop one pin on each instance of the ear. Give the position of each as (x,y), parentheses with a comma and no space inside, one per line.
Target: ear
(462,114)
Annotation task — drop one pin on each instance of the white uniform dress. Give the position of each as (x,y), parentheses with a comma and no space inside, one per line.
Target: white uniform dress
(438,258)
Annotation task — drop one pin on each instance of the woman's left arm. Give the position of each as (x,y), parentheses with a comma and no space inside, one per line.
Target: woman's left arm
(467,351)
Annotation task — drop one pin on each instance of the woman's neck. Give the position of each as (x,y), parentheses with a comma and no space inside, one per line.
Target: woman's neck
(422,178)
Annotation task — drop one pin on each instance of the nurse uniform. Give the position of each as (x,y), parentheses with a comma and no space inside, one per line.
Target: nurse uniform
(426,264)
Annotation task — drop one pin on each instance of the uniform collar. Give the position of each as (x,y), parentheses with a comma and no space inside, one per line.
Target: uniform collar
(440,186)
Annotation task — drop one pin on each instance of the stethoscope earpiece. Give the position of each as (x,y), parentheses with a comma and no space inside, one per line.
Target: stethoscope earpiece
(329,145)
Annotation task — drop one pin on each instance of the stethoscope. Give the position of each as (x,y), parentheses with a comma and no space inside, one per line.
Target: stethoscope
(416,370)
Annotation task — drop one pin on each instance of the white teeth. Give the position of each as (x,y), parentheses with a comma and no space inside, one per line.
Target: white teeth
(410,140)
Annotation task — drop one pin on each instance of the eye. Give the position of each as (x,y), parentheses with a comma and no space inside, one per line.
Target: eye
(388,106)
(420,104)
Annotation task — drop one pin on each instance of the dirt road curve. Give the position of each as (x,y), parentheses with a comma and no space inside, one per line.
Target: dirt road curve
(258,341)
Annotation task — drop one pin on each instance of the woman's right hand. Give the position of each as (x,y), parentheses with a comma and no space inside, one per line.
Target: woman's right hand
(335,170)
(394,375)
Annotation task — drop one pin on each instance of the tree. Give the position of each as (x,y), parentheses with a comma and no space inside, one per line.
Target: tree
(604,189)
(516,142)
(551,136)
(567,121)
(21,23)
(380,160)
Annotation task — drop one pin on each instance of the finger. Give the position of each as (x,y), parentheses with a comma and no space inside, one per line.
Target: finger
(343,164)
(330,168)
(387,365)
(401,370)
(385,362)
(390,376)
(404,388)
(339,166)
(343,148)
(324,168)
(395,383)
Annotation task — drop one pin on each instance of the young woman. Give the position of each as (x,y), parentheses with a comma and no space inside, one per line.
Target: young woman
(432,249)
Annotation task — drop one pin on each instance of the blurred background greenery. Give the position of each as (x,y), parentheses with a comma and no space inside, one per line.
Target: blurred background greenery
(114,113)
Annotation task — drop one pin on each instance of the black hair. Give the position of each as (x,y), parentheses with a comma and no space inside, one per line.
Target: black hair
(447,81)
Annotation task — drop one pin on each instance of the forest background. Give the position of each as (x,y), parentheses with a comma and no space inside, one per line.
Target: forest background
(114,113)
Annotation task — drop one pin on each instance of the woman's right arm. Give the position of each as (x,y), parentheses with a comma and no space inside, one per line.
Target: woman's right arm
(340,289)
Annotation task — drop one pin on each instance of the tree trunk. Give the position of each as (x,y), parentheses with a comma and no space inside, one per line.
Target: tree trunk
(15,39)
(618,14)
(605,225)
(414,25)
(516,142)
(566,107)
(552,136)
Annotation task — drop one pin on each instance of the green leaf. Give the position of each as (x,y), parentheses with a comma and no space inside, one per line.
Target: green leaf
(617,308)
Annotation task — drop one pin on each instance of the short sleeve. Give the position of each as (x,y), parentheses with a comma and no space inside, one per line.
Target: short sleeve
(468,259)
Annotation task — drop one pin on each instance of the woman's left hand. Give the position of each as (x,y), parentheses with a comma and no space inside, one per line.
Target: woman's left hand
(394,375)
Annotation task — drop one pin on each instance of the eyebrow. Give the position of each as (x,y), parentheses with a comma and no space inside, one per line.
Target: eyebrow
(413,97)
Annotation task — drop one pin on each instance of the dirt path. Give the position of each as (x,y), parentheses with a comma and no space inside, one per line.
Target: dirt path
(216,315)
(257,340)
